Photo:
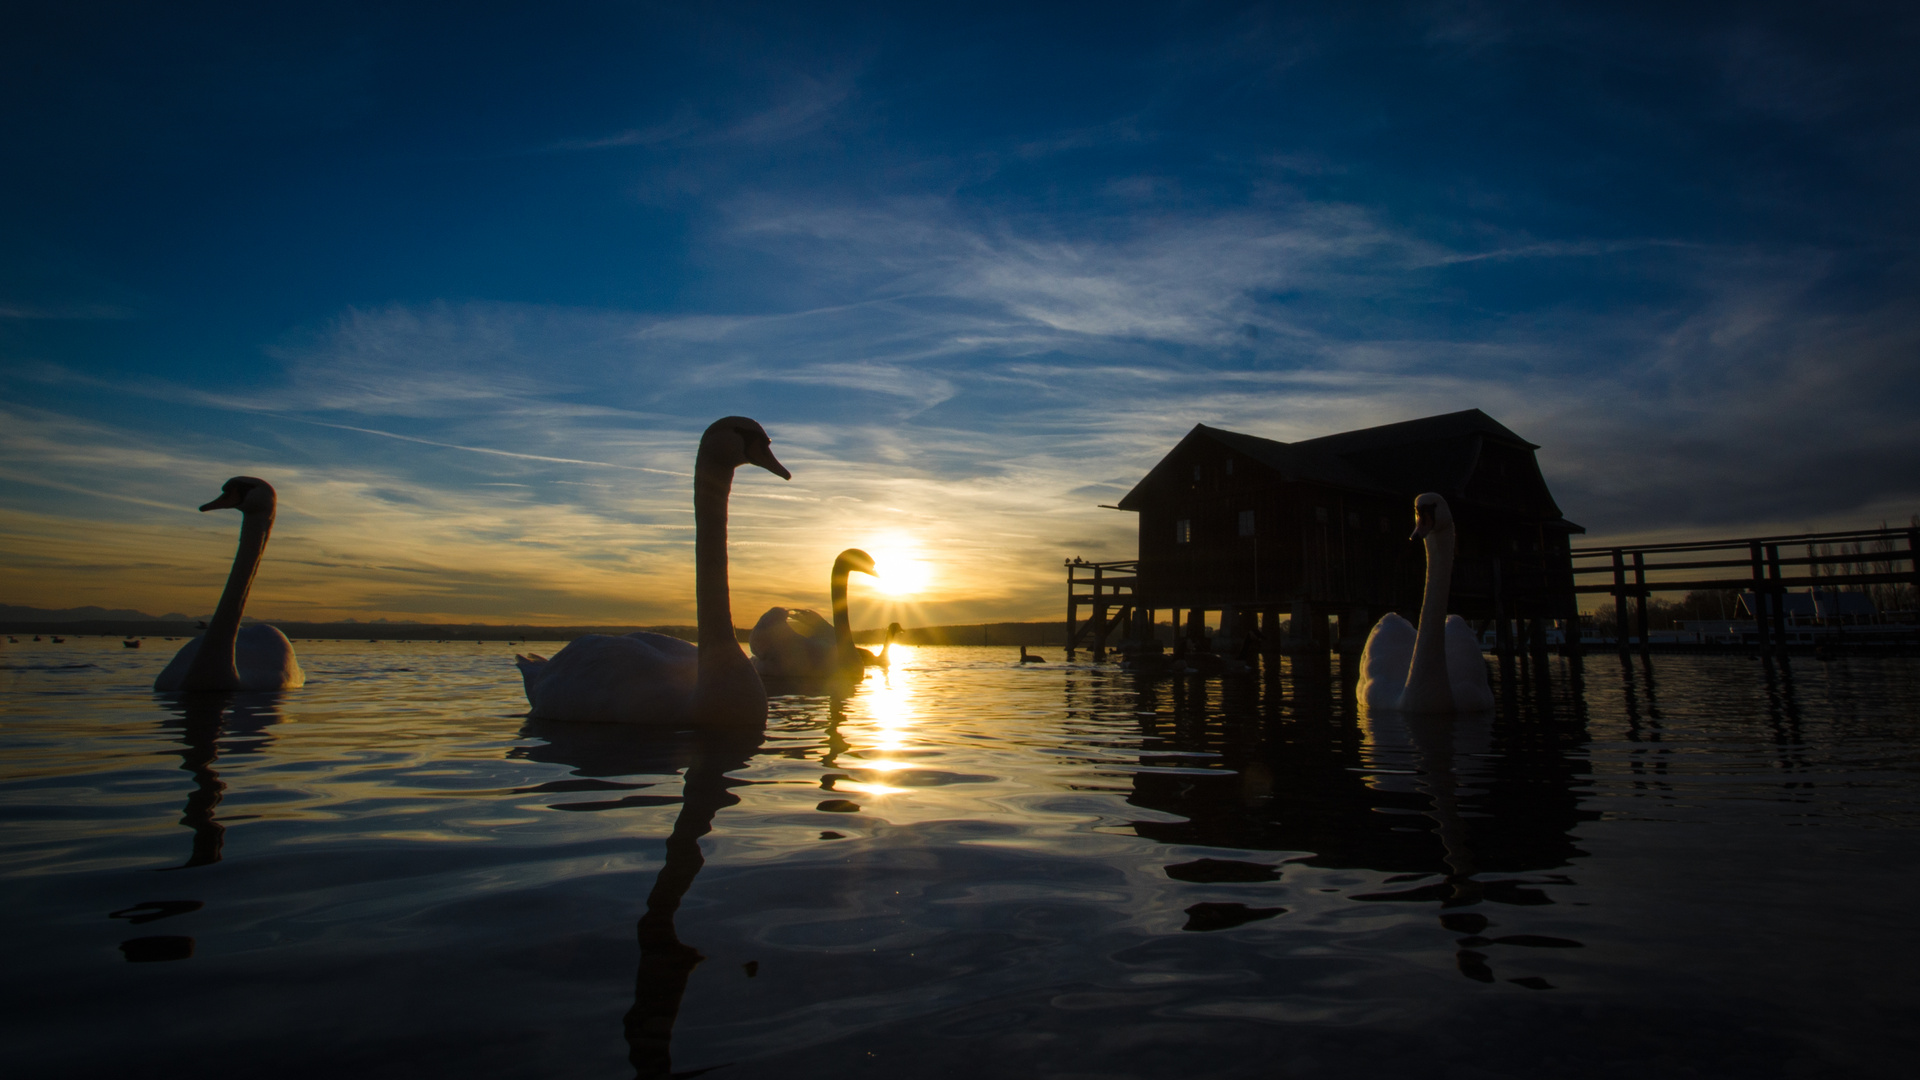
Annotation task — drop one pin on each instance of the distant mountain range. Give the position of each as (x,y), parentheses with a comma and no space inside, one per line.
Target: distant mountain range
(18,613)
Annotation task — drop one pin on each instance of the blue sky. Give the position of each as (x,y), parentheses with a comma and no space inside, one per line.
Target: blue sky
(465,283)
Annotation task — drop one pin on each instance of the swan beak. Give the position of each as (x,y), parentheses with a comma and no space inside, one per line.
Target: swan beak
(226,500)
(762,456)
(1422,522)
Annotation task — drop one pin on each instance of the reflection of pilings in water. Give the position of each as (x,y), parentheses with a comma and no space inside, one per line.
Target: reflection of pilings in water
(665,961)
(200,727)
(1783,709)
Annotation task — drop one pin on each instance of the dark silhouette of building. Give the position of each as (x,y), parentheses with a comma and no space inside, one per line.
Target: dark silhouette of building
(1242,525)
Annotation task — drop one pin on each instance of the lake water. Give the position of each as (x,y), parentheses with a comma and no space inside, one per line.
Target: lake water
(1678,867)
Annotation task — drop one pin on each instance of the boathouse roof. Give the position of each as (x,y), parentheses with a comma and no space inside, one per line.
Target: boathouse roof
(1432,453)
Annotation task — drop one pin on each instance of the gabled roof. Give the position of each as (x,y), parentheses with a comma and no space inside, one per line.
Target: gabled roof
(1446,426)
(1433,453)
(1290,460)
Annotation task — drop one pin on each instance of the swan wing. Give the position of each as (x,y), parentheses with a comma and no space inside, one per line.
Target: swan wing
(793,644)
(1467,668)
(1385,661)
(779,649)
(640,678)
(264,658)
(810,624)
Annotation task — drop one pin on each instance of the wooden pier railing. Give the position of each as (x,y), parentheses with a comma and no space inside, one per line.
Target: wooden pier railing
(1109,588)
(1766,566)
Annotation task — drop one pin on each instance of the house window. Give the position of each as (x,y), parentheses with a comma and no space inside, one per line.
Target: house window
(1384,526)
(1183,531)
(1246,523)
(1196,474)
(1229,466)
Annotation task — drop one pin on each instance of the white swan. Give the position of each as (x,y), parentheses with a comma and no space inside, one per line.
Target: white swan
(1439,669)
(230,656)
(648,678)
(790,644)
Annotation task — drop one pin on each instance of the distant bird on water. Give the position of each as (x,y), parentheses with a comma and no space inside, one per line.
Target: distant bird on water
(645,678)
(229,656)
(1438,668)
(1025,659)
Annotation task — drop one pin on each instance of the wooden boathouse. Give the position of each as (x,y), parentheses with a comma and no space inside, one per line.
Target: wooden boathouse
(1254,529)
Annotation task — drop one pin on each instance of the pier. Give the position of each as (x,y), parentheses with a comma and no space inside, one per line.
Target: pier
(1765,567)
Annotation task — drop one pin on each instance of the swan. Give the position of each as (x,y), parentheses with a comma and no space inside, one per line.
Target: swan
(1439,669)
(230,656)
(789,644)
(868,659)
(646,678)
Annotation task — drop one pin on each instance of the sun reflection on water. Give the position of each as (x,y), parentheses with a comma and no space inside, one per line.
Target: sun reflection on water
(886,723)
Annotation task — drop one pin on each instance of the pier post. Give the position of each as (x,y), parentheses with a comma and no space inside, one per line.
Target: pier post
(1300,639)
(1099,616)
(1762,607)
(1620,597)
(1073,609)
(1779,595)
(1640,589)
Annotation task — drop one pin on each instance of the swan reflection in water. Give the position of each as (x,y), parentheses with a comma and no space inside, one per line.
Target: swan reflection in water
(598,752)
(1302,768)
(203,721)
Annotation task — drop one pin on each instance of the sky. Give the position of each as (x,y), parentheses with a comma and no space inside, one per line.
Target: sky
(466,282)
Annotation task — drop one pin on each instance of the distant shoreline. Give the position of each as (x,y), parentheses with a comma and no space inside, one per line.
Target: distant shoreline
(1001,633)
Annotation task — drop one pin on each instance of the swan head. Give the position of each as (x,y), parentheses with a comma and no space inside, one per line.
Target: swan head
(858,561)
(1430,515)
(733,441)
(248,494)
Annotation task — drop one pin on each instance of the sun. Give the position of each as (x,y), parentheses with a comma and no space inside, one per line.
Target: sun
(902,571)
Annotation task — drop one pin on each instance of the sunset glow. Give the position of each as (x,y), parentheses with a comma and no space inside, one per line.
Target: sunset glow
(903,572)
(972,303)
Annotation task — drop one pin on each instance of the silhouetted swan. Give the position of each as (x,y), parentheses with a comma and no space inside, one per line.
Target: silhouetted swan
(1439,669)
(645,678)
(886,647)
(799,644)
(229,656)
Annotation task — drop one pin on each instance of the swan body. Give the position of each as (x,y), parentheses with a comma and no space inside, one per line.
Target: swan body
(598,678)
(262,658)
(1437,668)
(794,643)
(229,656)
(799,644)
(655,679)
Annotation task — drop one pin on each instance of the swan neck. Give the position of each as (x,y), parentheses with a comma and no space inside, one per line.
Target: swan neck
(712,483)
(1433,602)
(842,620)
(1428,685)
(213,667)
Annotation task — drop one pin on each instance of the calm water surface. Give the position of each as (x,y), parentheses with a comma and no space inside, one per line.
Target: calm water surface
(1688,866)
